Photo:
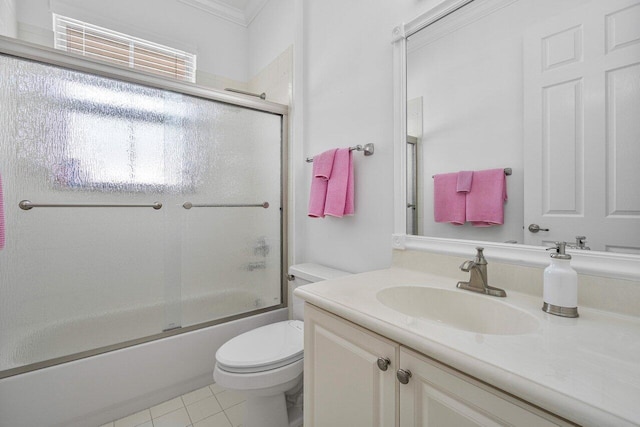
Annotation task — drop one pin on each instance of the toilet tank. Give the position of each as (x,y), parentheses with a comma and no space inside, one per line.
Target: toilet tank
(302,274)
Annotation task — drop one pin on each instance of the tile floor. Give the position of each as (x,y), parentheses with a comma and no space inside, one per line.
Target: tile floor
(210,406)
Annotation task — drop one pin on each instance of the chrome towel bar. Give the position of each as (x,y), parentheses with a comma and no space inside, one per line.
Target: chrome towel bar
(507,171)
(260,95)
(367,148)
(28,205)
(189,205)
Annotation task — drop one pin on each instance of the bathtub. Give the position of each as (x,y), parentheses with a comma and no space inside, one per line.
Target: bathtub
(98,389)
(78,334)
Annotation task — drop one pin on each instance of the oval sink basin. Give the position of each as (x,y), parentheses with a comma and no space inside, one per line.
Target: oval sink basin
(459,309)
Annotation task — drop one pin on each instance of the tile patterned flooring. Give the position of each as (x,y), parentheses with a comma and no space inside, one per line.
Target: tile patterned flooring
(210,406)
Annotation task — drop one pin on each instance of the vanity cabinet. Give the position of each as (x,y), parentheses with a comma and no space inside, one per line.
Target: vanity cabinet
(346,384)
(343,385)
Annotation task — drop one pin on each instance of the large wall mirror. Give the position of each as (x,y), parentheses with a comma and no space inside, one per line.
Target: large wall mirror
(547,90)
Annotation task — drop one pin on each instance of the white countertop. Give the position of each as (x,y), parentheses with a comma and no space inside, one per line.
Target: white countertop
(586,370)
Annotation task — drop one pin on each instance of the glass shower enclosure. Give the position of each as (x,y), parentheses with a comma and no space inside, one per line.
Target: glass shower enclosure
(134,208)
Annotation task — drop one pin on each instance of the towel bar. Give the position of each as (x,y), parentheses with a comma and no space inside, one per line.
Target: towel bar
(26,205)
(367,148)
(260,95)
(507,171)
(189,205)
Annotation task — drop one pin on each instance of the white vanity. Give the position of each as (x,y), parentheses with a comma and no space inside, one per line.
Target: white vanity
(474,359)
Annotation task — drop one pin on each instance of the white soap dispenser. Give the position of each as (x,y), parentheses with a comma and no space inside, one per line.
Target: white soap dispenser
(560,292)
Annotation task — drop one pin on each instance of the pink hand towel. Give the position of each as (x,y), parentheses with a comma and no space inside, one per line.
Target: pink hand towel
(323,164)
(485,203)
(349,207)
(339,200)
(464,181)
(2,238)
(322,168)
(448,204)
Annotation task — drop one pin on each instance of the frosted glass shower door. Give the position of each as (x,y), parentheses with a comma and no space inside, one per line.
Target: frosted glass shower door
(232,246)
(98,267)
(75,278)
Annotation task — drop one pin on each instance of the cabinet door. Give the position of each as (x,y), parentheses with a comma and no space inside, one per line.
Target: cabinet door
(343,385)
(437,395)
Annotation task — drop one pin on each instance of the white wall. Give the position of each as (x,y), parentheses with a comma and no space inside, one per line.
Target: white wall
(348,100)
(8,23)
(270,34)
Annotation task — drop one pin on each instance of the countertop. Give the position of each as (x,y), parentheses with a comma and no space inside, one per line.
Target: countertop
(586,369)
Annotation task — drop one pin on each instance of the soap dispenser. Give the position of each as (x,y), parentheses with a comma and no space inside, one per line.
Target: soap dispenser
(560,292)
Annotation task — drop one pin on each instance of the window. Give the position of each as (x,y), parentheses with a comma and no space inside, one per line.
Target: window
(110,46)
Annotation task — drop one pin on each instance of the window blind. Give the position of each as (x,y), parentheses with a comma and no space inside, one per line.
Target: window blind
(106,45)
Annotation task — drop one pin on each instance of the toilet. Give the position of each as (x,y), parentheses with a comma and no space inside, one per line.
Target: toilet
(266,363)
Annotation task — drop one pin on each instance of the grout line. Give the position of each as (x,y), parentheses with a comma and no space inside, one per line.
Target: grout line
(228,418)
(186,410)
(227,415)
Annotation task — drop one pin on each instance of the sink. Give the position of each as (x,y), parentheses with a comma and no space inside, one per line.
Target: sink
(459,309)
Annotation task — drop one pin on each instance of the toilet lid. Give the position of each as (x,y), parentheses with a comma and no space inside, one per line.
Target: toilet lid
(262,349)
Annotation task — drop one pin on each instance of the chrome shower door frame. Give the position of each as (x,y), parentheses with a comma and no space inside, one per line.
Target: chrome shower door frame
(48,56)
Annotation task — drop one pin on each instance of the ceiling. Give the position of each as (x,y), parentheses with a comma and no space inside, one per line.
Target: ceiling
(241,12)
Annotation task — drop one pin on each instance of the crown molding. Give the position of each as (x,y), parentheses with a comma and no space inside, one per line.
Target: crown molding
(224,11)
(254,7)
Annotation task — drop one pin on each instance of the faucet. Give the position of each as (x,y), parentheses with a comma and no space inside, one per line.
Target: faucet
(478,281)
(581,243)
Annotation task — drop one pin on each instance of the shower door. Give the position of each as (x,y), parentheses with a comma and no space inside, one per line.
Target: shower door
(131,212)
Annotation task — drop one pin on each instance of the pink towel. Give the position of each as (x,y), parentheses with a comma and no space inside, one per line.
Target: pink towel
(349,207)
(2,239)
(448,204)
(323,164)
(322,168)
(485,204)
(339,200)
(464,181)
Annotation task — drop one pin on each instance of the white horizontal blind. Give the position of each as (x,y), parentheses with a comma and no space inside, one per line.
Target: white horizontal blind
(110,46)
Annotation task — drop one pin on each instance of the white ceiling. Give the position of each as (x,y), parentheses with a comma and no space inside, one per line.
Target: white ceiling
(241,12)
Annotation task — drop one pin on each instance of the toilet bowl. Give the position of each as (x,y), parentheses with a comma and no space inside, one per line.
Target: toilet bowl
(266,363)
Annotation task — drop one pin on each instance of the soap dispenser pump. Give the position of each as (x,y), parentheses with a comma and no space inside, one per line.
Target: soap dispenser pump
(560,292)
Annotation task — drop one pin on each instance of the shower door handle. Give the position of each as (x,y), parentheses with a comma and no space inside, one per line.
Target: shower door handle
(27,205)
(189,205)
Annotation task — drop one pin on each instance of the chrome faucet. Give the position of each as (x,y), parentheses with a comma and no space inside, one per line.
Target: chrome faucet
(478,282)
(581,243)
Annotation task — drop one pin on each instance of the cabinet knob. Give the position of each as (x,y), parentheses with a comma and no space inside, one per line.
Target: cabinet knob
(403,376)
(383,363)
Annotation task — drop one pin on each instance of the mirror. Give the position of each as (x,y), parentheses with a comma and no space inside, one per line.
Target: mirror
(548,89)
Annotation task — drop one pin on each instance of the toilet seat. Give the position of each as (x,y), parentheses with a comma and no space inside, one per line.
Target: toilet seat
(263,349)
